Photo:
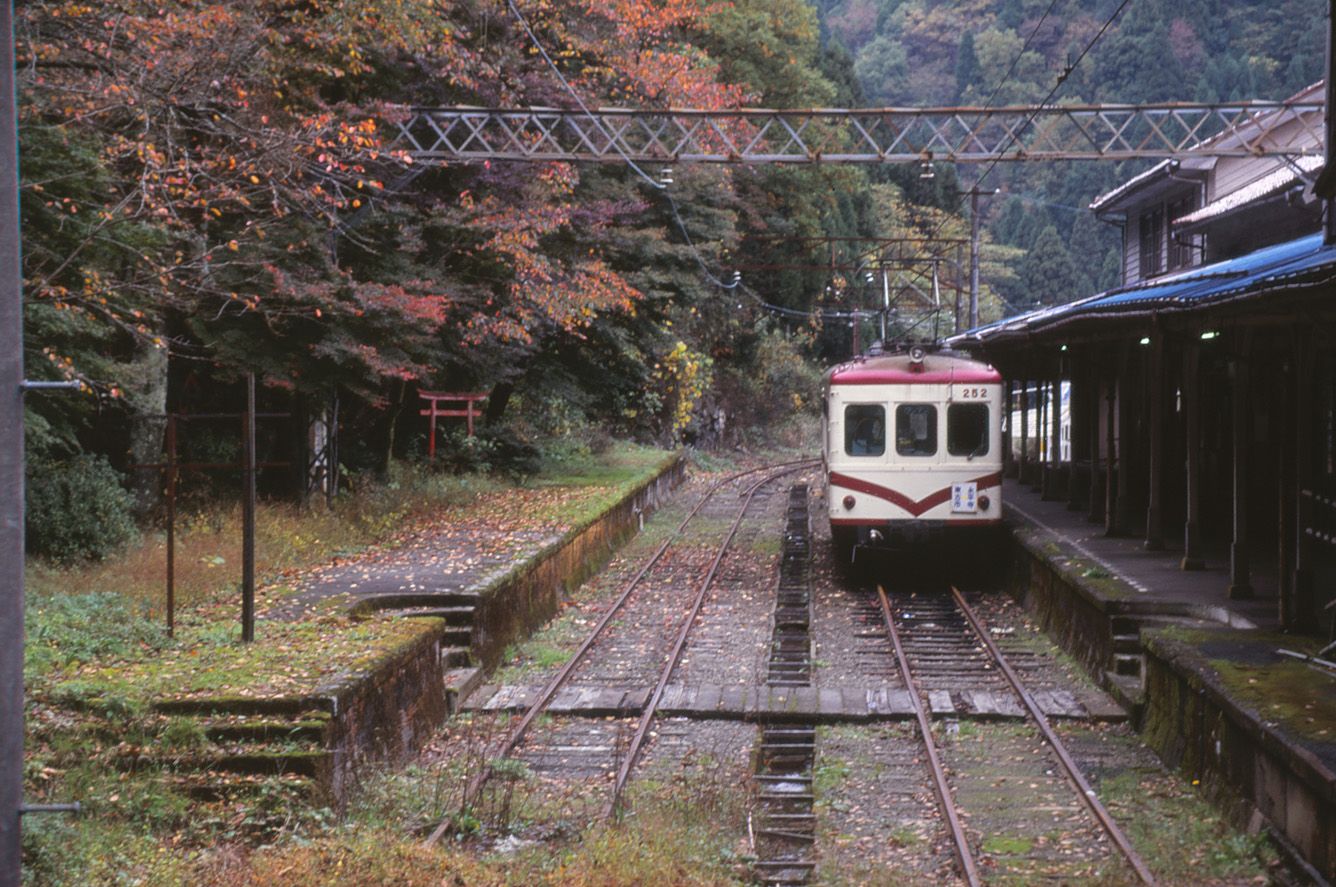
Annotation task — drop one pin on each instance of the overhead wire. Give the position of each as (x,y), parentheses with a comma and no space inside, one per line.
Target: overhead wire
(1025,47)
(1015,134)
(661,187)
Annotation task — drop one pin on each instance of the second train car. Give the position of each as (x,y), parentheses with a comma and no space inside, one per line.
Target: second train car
(912,445)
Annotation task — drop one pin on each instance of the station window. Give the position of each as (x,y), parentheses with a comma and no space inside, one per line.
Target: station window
(916,429)
(967,429)
(865,429)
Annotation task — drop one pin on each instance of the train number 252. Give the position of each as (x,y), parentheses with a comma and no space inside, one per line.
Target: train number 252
(971,393)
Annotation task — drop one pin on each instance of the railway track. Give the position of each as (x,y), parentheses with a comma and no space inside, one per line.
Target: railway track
(941,645)
(584,663)
(786,834)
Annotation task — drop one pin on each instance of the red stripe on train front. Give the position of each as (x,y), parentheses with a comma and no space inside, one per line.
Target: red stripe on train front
(900,500)
(882,522)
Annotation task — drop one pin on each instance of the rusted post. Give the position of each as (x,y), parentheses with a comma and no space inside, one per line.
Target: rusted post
(171,524)
(332,489)
(248,516)
(431,434)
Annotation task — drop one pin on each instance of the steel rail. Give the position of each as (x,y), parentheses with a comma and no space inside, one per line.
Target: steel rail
(964,856)
(536,708)
(647,714)
(1078,780)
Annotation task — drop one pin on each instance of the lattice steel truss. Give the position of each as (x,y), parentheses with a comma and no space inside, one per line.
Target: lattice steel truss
(893,135)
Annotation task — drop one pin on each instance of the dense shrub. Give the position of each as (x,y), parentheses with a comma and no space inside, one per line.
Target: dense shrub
(512,455)
(778,386)
(77,509)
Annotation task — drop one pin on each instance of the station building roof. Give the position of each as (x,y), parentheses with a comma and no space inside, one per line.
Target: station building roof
(1304,261)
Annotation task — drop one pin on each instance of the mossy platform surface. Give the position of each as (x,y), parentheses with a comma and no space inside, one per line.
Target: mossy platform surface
(294,662)
(473,546)
(1288,699)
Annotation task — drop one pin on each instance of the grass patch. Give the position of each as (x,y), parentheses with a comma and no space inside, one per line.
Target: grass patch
(1181,837)
(827,775)
(1007,845)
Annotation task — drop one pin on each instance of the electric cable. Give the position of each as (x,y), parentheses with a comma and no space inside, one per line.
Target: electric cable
(1017,60)
(1015,134)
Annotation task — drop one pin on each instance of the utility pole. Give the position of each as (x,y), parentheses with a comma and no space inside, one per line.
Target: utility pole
(885,302)
(974,252)
(11,467)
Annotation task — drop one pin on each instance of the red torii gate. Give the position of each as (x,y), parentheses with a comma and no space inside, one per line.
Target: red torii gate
(436,398)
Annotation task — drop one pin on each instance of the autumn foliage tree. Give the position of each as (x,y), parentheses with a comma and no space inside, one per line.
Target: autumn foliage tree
(211,188)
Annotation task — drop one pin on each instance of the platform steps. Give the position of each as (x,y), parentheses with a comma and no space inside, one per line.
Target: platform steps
(234,749)
(457,610)
(1125,680)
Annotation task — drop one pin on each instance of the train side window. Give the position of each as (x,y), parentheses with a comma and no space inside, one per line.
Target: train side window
(865,429)
(916,429)
(967,429)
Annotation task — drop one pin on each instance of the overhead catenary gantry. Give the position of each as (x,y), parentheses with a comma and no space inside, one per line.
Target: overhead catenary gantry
(885,135)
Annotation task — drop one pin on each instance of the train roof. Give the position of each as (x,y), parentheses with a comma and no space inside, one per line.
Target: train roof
(896,369)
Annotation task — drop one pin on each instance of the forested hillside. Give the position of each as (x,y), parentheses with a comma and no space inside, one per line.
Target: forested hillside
(982,52)
(214,188)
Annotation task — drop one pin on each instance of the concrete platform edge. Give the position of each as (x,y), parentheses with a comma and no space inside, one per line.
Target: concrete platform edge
(515,604)
(1243,761)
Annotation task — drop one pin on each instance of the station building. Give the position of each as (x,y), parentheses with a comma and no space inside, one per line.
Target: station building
(1202,410)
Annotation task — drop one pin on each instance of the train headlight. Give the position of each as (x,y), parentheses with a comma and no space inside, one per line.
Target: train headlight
(984,502)
(916,354)
(849,503)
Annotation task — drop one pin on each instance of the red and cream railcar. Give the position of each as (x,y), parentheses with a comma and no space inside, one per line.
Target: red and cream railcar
(912,444)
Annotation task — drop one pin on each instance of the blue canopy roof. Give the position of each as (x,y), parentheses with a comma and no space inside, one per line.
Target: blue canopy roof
(1256,272)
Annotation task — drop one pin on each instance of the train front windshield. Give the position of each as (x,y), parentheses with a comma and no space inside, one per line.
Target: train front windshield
(967,429)
(865,429)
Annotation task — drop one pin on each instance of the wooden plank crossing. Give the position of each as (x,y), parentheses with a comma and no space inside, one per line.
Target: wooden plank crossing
(801,704)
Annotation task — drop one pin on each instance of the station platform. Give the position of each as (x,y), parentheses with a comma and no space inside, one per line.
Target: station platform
(1215,685)
(1152,575)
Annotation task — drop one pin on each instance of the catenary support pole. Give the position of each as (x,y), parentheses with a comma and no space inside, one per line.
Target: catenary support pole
(974,258)
(11,468)
(975,194)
